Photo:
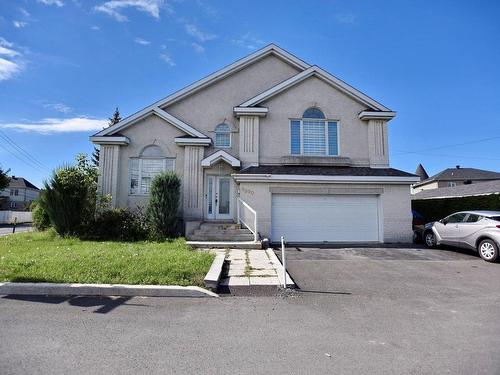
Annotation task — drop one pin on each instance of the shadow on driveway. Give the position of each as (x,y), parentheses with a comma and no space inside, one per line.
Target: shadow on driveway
(106,304)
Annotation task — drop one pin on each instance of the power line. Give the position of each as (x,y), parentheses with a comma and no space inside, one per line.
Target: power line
(25,161)
(25,154)
(448,155)
(453,145)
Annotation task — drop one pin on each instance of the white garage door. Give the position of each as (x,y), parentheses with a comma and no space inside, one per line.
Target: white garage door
(324,218)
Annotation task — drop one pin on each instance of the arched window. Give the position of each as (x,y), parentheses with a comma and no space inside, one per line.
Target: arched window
(151,162)
(313,134)
(313,112)
(152,151)
(223,136)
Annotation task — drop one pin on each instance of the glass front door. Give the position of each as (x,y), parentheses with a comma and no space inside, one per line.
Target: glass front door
(218,198)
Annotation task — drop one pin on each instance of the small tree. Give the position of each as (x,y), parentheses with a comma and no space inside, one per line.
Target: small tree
(115,119)
(69,198)
(4,178)
(163,208)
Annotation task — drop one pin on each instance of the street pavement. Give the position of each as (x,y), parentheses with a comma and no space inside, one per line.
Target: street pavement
(359,311)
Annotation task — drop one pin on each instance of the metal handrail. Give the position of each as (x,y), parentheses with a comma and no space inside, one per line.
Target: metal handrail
(240,220)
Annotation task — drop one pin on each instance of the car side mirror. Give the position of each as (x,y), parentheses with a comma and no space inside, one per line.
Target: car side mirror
(443,221)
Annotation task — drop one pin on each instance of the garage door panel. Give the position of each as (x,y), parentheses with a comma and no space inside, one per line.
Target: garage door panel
(320,218)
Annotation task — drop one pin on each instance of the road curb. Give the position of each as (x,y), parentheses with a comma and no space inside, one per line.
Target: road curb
(213,276)
(53,289)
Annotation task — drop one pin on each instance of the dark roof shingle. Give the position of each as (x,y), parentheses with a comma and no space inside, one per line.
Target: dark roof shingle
(459,174)
(325,171)
(478,188)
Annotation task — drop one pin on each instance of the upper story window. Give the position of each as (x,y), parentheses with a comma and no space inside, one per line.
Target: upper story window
(314,135)
(452,184)
(151,162)
(223,136)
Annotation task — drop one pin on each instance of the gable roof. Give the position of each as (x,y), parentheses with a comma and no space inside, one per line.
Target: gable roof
(20,182)
(479,188)
(271,49)
(421,172)
(316,71)
(459,174)
(220,155)
(181,125)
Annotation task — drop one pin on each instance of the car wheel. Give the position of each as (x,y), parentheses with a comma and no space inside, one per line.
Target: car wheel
(488,250)
(430,239)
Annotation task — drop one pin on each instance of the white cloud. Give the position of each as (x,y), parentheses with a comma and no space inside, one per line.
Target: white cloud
(112,8)
(19,24)
(198,48)
(95,28)
(58,3)
(144,42)
(59,107)
(249,41)
(59,125)
(24,12)
(8,69)
(166,58)
(10,63)
(198,34)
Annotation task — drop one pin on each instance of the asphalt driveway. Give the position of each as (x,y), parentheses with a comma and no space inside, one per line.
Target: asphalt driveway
(359,311)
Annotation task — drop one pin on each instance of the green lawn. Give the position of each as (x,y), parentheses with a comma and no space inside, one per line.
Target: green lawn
(45,257)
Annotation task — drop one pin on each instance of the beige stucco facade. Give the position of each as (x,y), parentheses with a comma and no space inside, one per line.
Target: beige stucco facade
(259,136)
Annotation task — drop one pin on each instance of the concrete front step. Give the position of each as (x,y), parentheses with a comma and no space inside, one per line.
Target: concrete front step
(222,232)
(223,237)
(225,244)
(219,226)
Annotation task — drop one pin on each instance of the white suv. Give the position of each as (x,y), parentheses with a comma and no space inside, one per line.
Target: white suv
(478,230)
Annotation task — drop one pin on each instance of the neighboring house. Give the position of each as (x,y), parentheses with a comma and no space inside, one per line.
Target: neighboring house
(18,195)
(455,177)
(467,190)
(271,141)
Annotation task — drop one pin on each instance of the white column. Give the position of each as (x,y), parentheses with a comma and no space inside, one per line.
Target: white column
(108,171)
(249,140)
(192,184)
(377,144)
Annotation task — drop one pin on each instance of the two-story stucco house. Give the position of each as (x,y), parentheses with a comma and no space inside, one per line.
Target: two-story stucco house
(281,146)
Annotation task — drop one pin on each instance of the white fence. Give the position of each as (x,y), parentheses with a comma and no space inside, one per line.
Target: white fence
(7,217)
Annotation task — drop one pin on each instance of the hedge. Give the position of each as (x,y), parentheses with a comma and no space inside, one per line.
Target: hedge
(435,209)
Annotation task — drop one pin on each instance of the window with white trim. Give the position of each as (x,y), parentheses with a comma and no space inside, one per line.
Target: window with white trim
(314,135)
(143,169)
(223,136)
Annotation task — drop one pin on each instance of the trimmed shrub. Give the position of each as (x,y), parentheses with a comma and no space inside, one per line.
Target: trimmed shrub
(70,196)
(435,209)
(117,225)
(41,220)
(163,208)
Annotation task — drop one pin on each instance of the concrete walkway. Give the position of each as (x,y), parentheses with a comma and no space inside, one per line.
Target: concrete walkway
(249,268)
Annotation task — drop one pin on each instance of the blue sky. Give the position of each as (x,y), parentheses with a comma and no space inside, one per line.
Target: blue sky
(66,64)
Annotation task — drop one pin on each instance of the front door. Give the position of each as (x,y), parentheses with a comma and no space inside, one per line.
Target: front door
(218,198)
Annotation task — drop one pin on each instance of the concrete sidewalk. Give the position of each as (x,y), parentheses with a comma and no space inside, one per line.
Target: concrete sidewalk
(249,267)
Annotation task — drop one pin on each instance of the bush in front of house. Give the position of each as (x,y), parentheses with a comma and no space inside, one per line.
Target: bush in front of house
(117,225)
(41,220)
(163,207)
(70,196)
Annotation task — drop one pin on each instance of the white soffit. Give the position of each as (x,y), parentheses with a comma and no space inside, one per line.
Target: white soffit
(220,155)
